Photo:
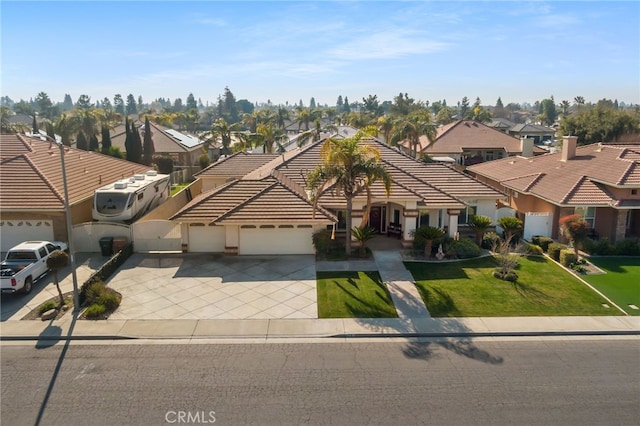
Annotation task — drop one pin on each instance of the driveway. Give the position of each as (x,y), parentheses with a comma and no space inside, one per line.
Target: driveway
(206,286)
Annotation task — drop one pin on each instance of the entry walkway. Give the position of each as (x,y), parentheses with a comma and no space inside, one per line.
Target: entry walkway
(399,281)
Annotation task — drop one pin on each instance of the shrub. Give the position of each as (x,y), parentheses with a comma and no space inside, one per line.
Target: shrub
(567,257)
(554,250)
(541,241)
(164,164)
(46,306)
(627,247)
(461,249)
(533,249)
(490,240)
(204,161)
(95,311)
(322,241)
(108,299)
(601,247)
(94,291)
(511,276)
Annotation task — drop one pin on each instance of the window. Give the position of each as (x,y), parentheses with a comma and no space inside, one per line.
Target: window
(267,226)
(489,156)
(396,216)
(467,214)
(140,196)
(43,252)
(588,214)
(285,226)
(423,219)
(342,219)
(634,192)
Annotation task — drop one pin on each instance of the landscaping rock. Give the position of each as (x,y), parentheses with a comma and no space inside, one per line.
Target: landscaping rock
(51,313)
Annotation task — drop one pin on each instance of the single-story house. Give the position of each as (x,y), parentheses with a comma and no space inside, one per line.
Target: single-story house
(541,135)
(469,142)
(601,182)
(268,210)
(32,189)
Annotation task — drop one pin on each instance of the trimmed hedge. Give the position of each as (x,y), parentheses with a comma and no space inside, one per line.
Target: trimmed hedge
(461,249)
(533,249)
(567,257)
(555,249)
(541,241)
(103,274)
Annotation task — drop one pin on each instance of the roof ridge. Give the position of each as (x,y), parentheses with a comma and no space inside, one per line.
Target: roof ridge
(204,197)
(627,172)
(573,189)
(24,142)
(246,200)
(44,178)
(454,124)
(534,181)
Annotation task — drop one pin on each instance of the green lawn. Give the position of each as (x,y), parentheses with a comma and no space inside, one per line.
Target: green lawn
(353,295)
(468,289)
(178,188)
(621,283)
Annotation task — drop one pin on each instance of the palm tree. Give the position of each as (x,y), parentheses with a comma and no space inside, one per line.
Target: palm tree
(385,127)
(56,261)
(348,167)
(271,136)
(427,234)
(362,234)
(281,116)
(65,126)
(314,134)
(480,224)
(512,227)
(225,131)
(412,127)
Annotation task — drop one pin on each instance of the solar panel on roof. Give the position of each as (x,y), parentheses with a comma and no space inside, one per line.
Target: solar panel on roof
(186,140)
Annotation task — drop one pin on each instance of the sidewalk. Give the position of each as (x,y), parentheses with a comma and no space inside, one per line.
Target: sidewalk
(270,329)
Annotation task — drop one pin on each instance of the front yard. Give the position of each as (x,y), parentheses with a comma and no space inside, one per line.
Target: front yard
(621,283)
(353,295)
(468,289)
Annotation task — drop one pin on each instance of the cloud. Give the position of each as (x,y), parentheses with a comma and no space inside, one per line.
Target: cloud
(388,45)
(214,22)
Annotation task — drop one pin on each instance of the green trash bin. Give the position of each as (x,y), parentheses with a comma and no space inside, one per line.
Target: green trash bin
(106,246)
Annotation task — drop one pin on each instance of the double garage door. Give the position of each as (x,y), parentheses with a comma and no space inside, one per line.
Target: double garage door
(13,232)
(285,239)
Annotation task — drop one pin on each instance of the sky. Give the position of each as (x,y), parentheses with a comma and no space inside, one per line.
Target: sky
(287,51)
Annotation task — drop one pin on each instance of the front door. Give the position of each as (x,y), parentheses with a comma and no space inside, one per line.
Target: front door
(375,218)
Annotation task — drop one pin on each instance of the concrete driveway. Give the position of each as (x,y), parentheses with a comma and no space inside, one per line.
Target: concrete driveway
(194,286)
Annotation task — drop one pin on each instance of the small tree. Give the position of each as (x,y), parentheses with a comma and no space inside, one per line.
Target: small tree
(204,161)
(574,228)
(480,224)
(56,261)
(507,261)
(164,163)
(427,235)
(362,235)
(512,227)
(81,141)
(147,147)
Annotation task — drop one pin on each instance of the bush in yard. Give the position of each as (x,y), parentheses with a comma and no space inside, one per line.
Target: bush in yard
(576,229)
(427,237)
(95,311)
(627,247)
(541,241)
(508,261)
(567,257)
(554,250)
(46,306)
(94,291)
(512,228)
(461,249)
(511,276)
(601,247)
(204,161)
(108,299)
(490,240)
(322,241)
(480,224)
(533,249)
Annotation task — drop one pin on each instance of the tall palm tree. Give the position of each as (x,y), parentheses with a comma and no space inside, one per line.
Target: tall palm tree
(348,167)
(66,126)
(385,127)
(271,137)
(225,131)
(315,133)
(411,127)
(281,116)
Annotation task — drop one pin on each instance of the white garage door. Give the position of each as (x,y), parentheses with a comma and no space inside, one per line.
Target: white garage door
(276,240)
(13,232)
(206,239)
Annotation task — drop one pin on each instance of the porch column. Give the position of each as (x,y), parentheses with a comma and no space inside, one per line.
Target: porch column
(409,225)
(621,225)
(453,221)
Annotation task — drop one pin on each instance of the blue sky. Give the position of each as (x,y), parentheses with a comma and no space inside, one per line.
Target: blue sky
(288,51)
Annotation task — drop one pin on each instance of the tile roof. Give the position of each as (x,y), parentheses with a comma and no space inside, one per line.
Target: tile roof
(12,145)
(463,135)
(582,180)
(236,165)
(40,185)
(163,142)
(275,189)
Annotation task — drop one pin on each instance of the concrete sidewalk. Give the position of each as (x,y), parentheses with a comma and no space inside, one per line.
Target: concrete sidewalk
(269,329)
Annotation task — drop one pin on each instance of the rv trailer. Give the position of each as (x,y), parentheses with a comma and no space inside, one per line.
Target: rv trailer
(129,199)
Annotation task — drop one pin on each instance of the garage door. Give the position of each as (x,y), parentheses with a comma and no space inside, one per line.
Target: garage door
(13,232)
(206,239)
(284,239)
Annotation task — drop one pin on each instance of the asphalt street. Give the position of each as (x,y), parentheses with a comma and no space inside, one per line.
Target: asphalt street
(493,382)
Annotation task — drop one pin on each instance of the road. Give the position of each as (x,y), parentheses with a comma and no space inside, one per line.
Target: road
(542,382)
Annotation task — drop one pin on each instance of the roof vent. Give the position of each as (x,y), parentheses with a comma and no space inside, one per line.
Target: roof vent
(138,177)
(120,185)
(152,173)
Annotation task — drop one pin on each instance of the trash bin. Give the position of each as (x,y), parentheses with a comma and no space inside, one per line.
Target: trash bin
(119,243)
(106,246)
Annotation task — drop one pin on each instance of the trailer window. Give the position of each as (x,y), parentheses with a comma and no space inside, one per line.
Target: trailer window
(111,203)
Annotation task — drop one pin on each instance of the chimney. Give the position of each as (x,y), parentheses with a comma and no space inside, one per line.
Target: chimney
(569,147)
(526,146)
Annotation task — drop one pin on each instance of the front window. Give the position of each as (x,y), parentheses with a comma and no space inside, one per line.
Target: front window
(588,214)
(467,214)
(423,219)
(111,203)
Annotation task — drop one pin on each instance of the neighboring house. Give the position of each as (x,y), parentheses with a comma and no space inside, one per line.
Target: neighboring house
(469,142)
(32,190)
(601,182)
(541,135)
(501,124)
(268,209)
(183,148)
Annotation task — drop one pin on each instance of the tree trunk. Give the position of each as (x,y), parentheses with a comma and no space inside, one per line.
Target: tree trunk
(55,277)
(428,246)
(347,242)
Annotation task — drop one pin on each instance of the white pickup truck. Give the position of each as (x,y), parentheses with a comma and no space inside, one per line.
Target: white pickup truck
(25,263)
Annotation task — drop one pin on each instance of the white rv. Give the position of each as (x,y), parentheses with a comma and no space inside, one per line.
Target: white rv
(128,199)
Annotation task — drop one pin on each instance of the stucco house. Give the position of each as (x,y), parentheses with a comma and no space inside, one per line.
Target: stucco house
(540,134)
(469,142)
(32,189)
(601,182)
(267,210)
